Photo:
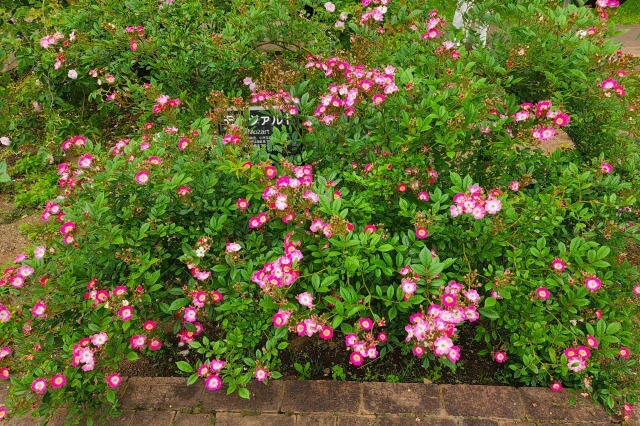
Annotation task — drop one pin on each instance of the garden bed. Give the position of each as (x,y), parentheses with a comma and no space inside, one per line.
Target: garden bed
(369,203)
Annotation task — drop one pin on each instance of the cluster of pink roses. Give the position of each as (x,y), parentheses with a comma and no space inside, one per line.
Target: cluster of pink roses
(202,247)
(5,313)
(282,272)
(364,341)
(135,33)
(84,351)
(140,341)
(5,351)
(39,385)
(434,26)
(542,111)
(288,195)
(102,295)
(281,100)
(51,40)
(449,47)
(611,84)
(608,3)
(16,277)
(375,10)
(319,225)
(164,102)
(188,336)
(409,282)
(52,208)
(199,299)
(197,273)
(359,82)
(119,147)
(601,5)
(67,230)
(209,371)
(233,135)
(474,203)
(416,179)
(77,141)
(433,330)
(312,325)
(83,354)
(577,357)
(68,179)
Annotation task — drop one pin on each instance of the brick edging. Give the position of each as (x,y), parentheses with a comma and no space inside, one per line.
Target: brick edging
(340,402)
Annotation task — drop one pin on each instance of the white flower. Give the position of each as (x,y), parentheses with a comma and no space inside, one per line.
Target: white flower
(5,141)
(72,74)
(201,251)
(330,7)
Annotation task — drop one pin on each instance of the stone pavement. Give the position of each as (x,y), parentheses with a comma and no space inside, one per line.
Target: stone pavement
(630,41)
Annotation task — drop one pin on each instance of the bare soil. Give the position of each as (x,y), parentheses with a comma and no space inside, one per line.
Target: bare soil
(12,242)
(562,140)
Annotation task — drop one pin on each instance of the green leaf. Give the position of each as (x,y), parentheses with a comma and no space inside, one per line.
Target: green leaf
(132,356)
(244,393)
(184,366)
(315,281)
(192,379)
(336,321)
(456,180)
(603,252)
(393,312)
(111,396)
(179,303)
(219,269)
(614,327)
(489,313)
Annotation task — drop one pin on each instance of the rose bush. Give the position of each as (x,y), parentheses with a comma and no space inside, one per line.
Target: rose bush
(406,198)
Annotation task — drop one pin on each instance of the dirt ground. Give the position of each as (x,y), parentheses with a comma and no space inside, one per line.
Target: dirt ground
(562,140)
(12,242)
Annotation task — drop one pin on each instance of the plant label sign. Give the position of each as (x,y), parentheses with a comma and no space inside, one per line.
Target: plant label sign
(261,124)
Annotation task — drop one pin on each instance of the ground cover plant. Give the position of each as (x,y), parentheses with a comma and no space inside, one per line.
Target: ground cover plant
(406,199)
